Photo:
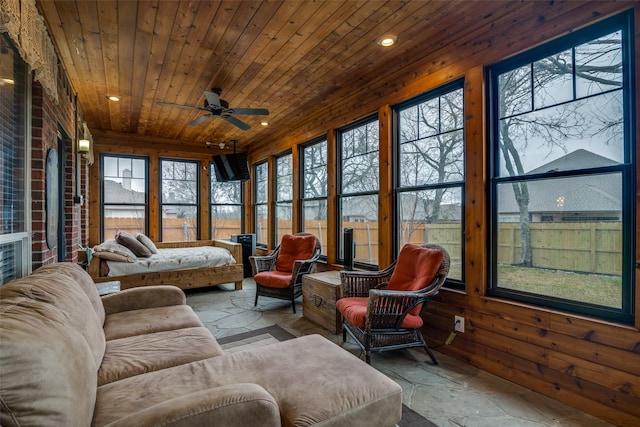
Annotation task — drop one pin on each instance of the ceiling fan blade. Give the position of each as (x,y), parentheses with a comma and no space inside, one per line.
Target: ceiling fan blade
(237,122)
(199,120)
(166,104)
(251,111)
(212,98)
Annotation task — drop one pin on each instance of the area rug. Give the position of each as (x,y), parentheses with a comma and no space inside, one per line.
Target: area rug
(275,333)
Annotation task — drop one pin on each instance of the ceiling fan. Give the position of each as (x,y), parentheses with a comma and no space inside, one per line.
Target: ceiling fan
(215,106)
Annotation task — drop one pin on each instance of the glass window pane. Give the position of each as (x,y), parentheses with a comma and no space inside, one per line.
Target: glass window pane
(283,220)
(284,178)
(225,221)
(553,80)
(123,217)
(315,170)
(599,65)
(572,242)
(226,193)
(179,223)
(582,134)
(433,216)
(314,220)
(514,88)
(262,224)
(361,214)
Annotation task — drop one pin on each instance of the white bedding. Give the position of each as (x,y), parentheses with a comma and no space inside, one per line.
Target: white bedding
(174,259)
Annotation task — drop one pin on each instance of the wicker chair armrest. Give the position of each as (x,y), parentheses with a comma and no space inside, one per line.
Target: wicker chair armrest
(387,309)
(359,283)
(262,263)
(302,267)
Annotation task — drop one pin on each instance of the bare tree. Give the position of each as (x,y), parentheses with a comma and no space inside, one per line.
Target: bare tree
(557,82)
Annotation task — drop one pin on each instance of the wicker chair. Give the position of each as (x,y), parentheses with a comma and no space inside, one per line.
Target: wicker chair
(279,275)
(383,310)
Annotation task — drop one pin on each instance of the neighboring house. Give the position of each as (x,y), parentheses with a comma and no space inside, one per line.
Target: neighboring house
(128,200)
(584,198)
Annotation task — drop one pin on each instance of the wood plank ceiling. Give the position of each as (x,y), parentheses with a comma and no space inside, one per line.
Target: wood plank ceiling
(302,60)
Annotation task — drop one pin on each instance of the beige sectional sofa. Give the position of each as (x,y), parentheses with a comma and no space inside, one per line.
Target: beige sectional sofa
(142,357)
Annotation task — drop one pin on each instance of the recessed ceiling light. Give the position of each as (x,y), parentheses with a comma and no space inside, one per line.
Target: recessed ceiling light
(387,40)
(114,98)
(6,81)
(265,123)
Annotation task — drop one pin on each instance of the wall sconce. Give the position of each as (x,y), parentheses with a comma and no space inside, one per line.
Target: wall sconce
(84,145)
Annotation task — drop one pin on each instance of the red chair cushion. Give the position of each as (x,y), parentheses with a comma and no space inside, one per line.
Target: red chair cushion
(273,279)
(416,268)
(354,309)
(293,248)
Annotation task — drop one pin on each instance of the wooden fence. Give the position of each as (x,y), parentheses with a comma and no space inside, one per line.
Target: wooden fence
(594,247)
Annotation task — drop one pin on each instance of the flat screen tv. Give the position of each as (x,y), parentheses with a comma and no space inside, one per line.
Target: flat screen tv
(231,167)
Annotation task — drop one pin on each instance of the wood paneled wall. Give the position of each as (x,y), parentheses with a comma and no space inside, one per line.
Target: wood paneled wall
(590,364)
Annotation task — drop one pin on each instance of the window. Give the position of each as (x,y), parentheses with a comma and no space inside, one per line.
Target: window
(284,195)
(430,172)
(15,211)
(260,199)
(314,190)
(179,185)
(124,195)
(358,194)
(562,169)
(226,207)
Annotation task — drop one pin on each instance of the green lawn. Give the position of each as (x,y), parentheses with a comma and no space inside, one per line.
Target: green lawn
(589,288)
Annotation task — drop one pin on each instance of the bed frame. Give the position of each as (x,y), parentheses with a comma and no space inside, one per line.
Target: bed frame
(184,279)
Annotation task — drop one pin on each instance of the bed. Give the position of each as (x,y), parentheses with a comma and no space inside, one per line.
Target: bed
(183,276)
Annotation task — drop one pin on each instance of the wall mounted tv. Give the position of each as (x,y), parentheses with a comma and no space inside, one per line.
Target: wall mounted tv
(231,167)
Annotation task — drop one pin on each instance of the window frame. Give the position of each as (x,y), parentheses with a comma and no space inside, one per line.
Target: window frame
(302,197)
(212,182)
(398,189)
(623,23)
(341,194)
(22,240)
(258,204)
(161,189)
(280,203)
(103,156)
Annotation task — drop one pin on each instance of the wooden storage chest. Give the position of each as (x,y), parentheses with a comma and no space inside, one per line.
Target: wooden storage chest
(320,291)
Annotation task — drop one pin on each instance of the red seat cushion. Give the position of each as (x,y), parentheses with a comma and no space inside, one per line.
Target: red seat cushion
(354,309)
(293,248)
(273,279)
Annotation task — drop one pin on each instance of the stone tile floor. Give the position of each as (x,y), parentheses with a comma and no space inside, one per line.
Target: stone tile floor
(450,394)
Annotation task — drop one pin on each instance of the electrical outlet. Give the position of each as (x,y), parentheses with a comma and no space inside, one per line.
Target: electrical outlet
(458,324)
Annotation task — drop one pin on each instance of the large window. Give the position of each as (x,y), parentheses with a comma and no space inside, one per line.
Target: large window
(562,187)
(226,207)
(358,193)
(124,195)
(260,200)
(314,190)
(179,187)
(284,195)
(15,213)
(430,172)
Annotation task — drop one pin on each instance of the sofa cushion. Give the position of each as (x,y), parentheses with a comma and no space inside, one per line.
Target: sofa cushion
(51,345)
(329,400)
(130,356)
(149,320)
